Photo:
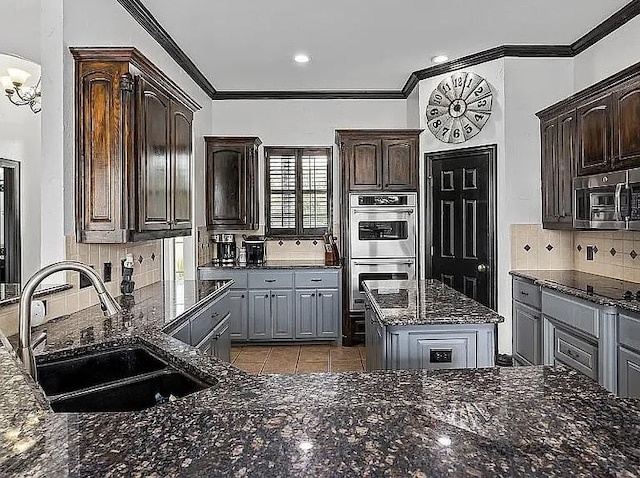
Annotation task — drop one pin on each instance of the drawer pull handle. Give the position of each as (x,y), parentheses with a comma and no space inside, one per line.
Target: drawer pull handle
(313,295)
(524,293)
(316,280)
(269,280)
(266,296)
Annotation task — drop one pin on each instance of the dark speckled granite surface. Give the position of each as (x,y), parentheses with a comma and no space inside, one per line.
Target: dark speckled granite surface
(10,293)
(524,421)
(594,288)
(277,264)
(425,302)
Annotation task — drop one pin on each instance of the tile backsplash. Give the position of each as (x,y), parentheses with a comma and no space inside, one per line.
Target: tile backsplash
(616,253)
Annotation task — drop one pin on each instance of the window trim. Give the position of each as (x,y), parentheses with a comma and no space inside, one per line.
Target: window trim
(298,232)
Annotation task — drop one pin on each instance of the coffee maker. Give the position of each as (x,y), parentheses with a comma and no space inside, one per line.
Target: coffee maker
(225,249)
(254,246)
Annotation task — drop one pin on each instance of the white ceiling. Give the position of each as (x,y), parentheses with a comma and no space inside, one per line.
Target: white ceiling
(358,44)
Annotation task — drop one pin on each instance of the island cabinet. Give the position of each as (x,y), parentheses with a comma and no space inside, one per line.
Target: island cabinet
(629,354)
(282,305)
(207,328)
(133,149)
(231,183)
(379,160)
(527,322)
(581,335)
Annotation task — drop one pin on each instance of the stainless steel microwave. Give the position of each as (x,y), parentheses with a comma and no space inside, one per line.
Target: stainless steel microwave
(601,201)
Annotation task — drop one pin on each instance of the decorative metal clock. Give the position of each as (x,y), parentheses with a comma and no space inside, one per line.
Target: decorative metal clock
(459,107)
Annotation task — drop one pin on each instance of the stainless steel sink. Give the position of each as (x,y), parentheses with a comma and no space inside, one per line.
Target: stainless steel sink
(119,379)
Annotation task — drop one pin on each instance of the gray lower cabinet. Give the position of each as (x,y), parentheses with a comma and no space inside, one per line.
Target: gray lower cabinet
(316,310)
(282,305)
(629,355)
(271,314)
(438,350)
(527,322)
(207,329)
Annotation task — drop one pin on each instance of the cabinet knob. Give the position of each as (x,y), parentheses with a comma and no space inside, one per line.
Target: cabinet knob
(242,296)
(319,294)
(273,295)
(313,295)
(266,296)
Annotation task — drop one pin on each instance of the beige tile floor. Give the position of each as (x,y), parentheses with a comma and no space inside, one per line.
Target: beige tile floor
(292,359)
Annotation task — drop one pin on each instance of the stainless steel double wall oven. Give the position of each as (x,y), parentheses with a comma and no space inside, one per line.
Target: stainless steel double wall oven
(382,240)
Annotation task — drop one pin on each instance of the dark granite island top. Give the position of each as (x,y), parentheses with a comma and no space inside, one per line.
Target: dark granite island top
(524,421)
(425,302)
(276,264)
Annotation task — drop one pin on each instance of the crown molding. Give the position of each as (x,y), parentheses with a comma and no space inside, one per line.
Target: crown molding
(142,15)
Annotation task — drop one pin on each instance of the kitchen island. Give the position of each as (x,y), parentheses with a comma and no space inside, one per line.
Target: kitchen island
(543,421)
(426,324)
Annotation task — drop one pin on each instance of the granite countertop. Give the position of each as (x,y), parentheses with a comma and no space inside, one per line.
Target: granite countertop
(277,264)
(10,293)
(543,421)
(598,289)
(425,302)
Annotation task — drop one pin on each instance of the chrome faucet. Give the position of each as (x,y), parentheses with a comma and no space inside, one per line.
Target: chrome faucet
(109,305)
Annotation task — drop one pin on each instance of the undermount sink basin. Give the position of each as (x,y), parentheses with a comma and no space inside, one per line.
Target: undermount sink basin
(138,393)
(83,371)
(115,380)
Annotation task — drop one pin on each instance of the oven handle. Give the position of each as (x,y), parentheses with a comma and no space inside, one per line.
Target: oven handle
(358,263)
(618,202)
(383,211)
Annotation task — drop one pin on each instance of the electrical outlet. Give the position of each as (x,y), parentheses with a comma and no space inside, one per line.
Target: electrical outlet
(106,272)
(38,311)
(589,253)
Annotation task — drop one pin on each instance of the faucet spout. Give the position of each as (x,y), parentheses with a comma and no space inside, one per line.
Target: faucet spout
(25,350)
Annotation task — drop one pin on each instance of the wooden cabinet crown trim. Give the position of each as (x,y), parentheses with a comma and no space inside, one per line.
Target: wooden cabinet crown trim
(133,56)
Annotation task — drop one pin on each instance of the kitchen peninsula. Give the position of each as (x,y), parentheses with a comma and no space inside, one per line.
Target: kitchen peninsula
(426,324)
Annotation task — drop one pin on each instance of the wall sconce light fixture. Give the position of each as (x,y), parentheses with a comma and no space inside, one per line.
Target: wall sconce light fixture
(19,94)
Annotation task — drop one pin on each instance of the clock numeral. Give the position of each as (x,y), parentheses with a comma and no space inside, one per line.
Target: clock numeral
(459,81)
(468,129)
(478,117)
(445,131)
(446,87)
(456,133)
(482,103)
(478,91)
(433,112)
(437,123)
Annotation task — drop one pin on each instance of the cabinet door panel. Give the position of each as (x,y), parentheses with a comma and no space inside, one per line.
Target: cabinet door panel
(549,130)
(626,116)
(238,321)
(154,207)
(282,314)
(259,315)
(226,178)
(399,164)
(628,373)
(328,313)
(594,136)
(527,334)
(566,167)
(181,119)
(306,317)
(365,165)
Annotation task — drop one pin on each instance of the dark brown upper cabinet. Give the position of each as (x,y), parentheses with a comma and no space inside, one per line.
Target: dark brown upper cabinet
(379,160)
(626,126)
(594,136)
(133,149)
(231,183)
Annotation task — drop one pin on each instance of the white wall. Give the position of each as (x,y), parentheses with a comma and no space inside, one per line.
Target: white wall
(519,91)
(613,53)
(20,141)
(20,28)
(303,123)
(70,23)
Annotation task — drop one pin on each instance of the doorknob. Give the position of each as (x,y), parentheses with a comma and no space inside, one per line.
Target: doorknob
(482,268)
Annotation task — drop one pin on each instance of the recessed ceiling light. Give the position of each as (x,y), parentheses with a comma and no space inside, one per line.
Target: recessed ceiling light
(301,58)
(439,59)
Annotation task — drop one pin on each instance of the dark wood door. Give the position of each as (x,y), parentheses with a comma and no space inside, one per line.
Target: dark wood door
(365,164)
(227,185)
(566,168)
(626,127)
(594,136)
(549,131)
(399,164)
(154,174)
(463,221)
(181,119)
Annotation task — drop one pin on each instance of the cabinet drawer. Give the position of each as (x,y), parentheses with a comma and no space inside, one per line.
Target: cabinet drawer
(572,312)
(203,322)
(629,331)
(576,353)
(316,279)
(271,280)
(217,273)
(527,293)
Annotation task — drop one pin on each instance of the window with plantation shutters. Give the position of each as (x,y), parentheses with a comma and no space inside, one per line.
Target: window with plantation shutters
(298,187)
